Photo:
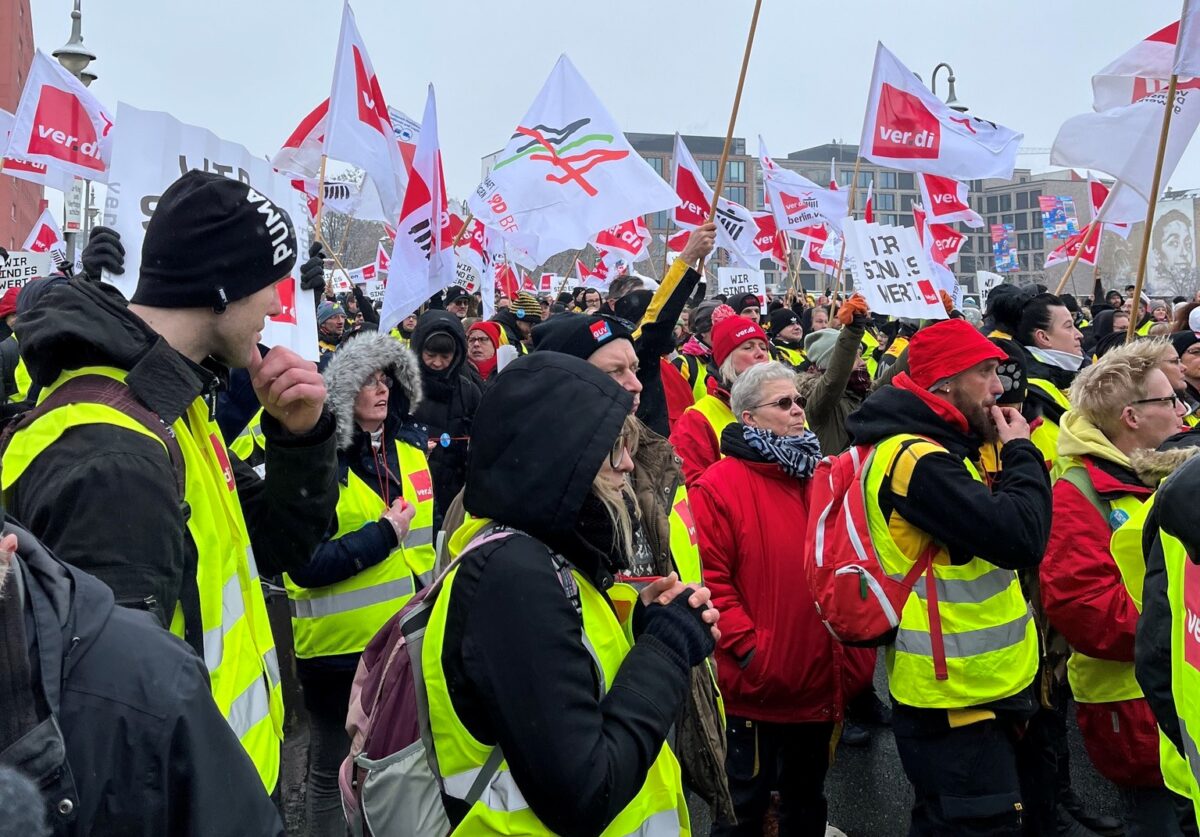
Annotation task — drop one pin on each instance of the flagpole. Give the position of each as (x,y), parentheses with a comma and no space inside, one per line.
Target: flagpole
(1062,283)
(462,232)
(737,101)
(841,273)
(1150,206)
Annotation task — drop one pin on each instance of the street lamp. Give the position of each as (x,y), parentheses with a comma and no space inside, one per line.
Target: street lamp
(73,54)
(952,101)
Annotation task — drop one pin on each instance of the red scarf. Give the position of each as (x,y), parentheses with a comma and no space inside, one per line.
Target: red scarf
(485,367)
(943,409)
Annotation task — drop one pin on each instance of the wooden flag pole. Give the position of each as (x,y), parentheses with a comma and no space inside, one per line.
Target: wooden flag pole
(737,101)
(462,232)
(1131,332)
(1062,283)
(841,273)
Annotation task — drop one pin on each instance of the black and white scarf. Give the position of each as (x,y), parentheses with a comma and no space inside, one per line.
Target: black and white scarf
(796,455)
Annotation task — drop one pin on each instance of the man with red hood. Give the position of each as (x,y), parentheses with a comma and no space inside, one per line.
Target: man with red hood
(963,661)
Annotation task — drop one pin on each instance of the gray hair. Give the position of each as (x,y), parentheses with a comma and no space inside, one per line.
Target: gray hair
(747,390)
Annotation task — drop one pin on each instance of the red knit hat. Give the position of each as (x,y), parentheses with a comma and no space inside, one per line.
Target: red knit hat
(8,302)
(732,332)
(945,349)
(492,330)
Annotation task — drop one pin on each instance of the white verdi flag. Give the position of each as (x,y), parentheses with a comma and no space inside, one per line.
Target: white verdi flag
(797,202)
(908,128)
(358,128)
(60,124)
(422,258)
(1187,48)
(893,271)
(155,150)
(736,227)
(566,173)
(45,237)
(1122,136)
(25,170)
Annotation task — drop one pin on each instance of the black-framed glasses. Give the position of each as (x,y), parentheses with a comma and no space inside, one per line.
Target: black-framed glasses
(1173,399)
(785,403)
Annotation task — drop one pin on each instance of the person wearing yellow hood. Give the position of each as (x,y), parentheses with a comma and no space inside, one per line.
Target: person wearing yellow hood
(1091,579)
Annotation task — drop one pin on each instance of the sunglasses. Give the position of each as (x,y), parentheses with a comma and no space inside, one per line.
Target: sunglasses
(785,403)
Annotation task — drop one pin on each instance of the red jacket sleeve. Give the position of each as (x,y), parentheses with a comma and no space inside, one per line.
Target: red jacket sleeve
(696,445)
(1082,590)
(718,549)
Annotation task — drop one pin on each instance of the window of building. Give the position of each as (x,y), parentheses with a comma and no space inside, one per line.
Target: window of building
(991,219)
(906,202)
(708,168)
(886,201)
(1023,259)
(966,264)
(1033,199)
(1005,203)
(967,247)
(737,194)
(886,219)
(993,204)
(864,179)
(735,171)
(1022,200)
(905,180)
(976,185)
(656,163)
(906,221)
(1023,241)
(657,220)
(1037,241)
(1007,219)
(1021,222)
(887,180)
(762,197)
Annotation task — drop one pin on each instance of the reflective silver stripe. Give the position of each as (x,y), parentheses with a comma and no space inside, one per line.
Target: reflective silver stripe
(425,578)
(501,794)
(662,824)
(233,608)
(271,664)
(352,599)
(250,707)
(966,590)
(966,643)
(419,537)
(1190,751)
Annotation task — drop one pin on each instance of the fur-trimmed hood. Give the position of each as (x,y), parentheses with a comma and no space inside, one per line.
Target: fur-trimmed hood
(355,362)
(1154,466)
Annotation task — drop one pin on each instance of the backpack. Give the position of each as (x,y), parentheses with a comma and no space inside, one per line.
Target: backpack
(855,598)
(390,783)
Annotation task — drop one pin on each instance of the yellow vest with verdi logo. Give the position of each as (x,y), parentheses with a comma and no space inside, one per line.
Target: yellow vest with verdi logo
(342,618)
(1183,591)
(658,808)
(239,650)
(990,639)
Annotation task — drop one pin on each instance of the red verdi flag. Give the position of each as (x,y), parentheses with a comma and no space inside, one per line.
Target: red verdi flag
(1088,238)
(45,237)
(946,201)
(908,128)
(61,125)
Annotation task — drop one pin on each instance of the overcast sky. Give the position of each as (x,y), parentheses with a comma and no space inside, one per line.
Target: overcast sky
(250,69)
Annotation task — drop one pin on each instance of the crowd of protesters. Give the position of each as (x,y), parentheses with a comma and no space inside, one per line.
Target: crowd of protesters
(603,504)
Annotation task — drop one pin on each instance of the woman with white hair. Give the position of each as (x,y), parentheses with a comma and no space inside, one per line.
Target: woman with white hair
(780,671)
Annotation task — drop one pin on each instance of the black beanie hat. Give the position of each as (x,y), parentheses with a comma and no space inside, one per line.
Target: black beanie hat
(211,241)
(777,321)
(579,334)
(743,301)
(1181,340)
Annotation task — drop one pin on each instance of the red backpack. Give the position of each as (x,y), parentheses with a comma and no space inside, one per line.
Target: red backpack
(855,597)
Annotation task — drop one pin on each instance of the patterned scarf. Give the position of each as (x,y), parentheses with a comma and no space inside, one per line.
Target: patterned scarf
(796,455)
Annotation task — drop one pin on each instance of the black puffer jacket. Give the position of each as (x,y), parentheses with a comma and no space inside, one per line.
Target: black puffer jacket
(104,498)
(517,669)
(146,751)
(448,411)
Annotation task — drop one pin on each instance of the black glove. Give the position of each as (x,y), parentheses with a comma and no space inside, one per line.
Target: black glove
(104,251)
(680,627)
(312,272)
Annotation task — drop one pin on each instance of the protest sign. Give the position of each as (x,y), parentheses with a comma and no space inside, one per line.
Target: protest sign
(154,150)
(374,290)
(22,267)
(736,281)
(986,282)
(894,273)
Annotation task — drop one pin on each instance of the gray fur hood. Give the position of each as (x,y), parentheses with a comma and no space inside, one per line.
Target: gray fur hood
(1154,466)
(355,362)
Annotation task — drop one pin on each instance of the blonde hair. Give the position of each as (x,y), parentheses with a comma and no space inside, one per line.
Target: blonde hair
(1102,391)
(613,499)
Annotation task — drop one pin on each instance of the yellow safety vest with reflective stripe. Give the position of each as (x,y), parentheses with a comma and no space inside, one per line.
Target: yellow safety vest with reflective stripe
(990,639)
(395,333)
(239,650)
(1095,680)
(695,372)
(658,808)
(341,618)
(250,439)
(869,344)
(1183,591)
(685,550)
(1145,327)
(1045,435)
(21,378)
(717,413)
(793,357)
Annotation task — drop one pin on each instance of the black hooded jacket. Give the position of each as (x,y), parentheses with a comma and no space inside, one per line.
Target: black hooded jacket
(104,498)
(451,399)
(518,672)
(146,750)
(1007,524)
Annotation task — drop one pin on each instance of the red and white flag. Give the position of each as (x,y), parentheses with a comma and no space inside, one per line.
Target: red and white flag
(736,227)
(473,246)
(796,201)
(1121,137)
(359,129)
(677,241)
(422,252)
(1187,50)
(941,241)
(597,277)
(1088,238)
(868,211)
(507,282)
(833,174)
(60,124)
(25,170)
(566,173)
(46,237)
(818,262)
(910,129)
(945,199)
(629,240)
(302,150)
(1098,193)
(769,243)
(383,261)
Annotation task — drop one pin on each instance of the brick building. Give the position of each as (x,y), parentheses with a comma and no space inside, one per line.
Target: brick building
(20,200)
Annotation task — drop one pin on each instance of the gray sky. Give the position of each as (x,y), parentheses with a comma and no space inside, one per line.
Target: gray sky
(250,69)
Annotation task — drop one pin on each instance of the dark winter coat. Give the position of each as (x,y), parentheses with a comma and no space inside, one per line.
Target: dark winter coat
(518,672)
(655,339)
(146,750)
(448,409)
(104,498)
(829,402)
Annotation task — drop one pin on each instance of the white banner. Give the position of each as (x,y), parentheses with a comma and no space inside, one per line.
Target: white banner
(153,151)
(23,267)
(736,281)
(893,272)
